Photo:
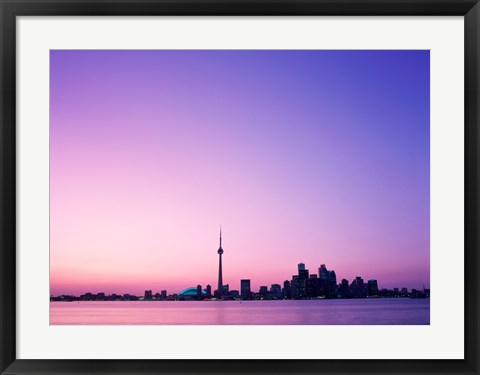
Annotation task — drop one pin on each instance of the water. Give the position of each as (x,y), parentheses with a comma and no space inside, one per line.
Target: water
(306,312)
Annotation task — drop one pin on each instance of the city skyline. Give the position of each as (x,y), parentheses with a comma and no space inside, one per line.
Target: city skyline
(337,283)
(303,285)
(303,156)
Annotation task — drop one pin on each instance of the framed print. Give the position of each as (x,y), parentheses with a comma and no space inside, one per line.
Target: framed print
(239,187)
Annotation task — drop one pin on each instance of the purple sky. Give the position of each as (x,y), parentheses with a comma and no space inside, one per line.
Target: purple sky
(301,156)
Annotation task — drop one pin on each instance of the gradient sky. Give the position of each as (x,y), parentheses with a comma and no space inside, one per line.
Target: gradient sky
(301,156)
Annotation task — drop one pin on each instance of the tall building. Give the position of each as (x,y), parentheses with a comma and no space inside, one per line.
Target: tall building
(286,291)
(302,280)
(295,287)
(312,286)
(245,290)
(263,291)
(358,288)
(276,290)
(199,291)
(332,284)
(344,289)
(373,288)
(220,276)
(327,282)
(323,272)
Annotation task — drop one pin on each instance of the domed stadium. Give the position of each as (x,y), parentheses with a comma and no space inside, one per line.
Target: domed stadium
(191,292)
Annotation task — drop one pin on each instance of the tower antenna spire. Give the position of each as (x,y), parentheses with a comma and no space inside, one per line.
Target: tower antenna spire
(220,275)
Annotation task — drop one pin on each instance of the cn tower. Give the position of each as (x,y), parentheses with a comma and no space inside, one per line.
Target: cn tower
(220,279)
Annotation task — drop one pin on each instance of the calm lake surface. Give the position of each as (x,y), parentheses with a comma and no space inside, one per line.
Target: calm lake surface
(289,312)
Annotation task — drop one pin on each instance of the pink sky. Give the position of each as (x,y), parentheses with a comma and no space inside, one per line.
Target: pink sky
(301,156)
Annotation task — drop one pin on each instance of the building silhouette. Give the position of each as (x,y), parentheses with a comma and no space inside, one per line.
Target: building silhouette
(199,291)
(276,291)
(302,281)
(344,289)
(313,286)
(191,293)
(373,288)
(148,295)
(287,290)
(358,288)
(245,289)
(295,287)
(301,286)
(263,291)
(220,276)
(327,282)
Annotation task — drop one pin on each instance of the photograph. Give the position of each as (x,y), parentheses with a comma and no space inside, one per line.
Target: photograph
(239,187)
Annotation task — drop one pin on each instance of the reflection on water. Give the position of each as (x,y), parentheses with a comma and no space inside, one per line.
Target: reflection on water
(360,311)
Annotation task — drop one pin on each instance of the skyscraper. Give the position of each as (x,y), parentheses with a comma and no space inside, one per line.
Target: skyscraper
(287,291)
(245,289)
(276,291)
(220,276)
(302,280)
(373,288)
(327,282)
(357,288)
(199,291)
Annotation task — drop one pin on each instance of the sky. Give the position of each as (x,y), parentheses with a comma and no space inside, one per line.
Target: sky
(312,156)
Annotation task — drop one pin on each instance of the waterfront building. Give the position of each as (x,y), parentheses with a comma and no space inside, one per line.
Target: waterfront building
(190,293)
(327,282)
(343,289)
(226,289)
(332,284)
(373,288)
(302,280)
(358,288)
(233,294)
(245,289)
(312,286)
(286,290)
(148,295)
(199,291)
(276,291)
(295,287)
(263,291)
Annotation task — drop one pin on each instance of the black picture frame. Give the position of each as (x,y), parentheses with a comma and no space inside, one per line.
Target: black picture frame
(10,9)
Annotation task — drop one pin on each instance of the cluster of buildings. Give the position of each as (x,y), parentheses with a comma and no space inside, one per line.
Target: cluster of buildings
(303,285)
